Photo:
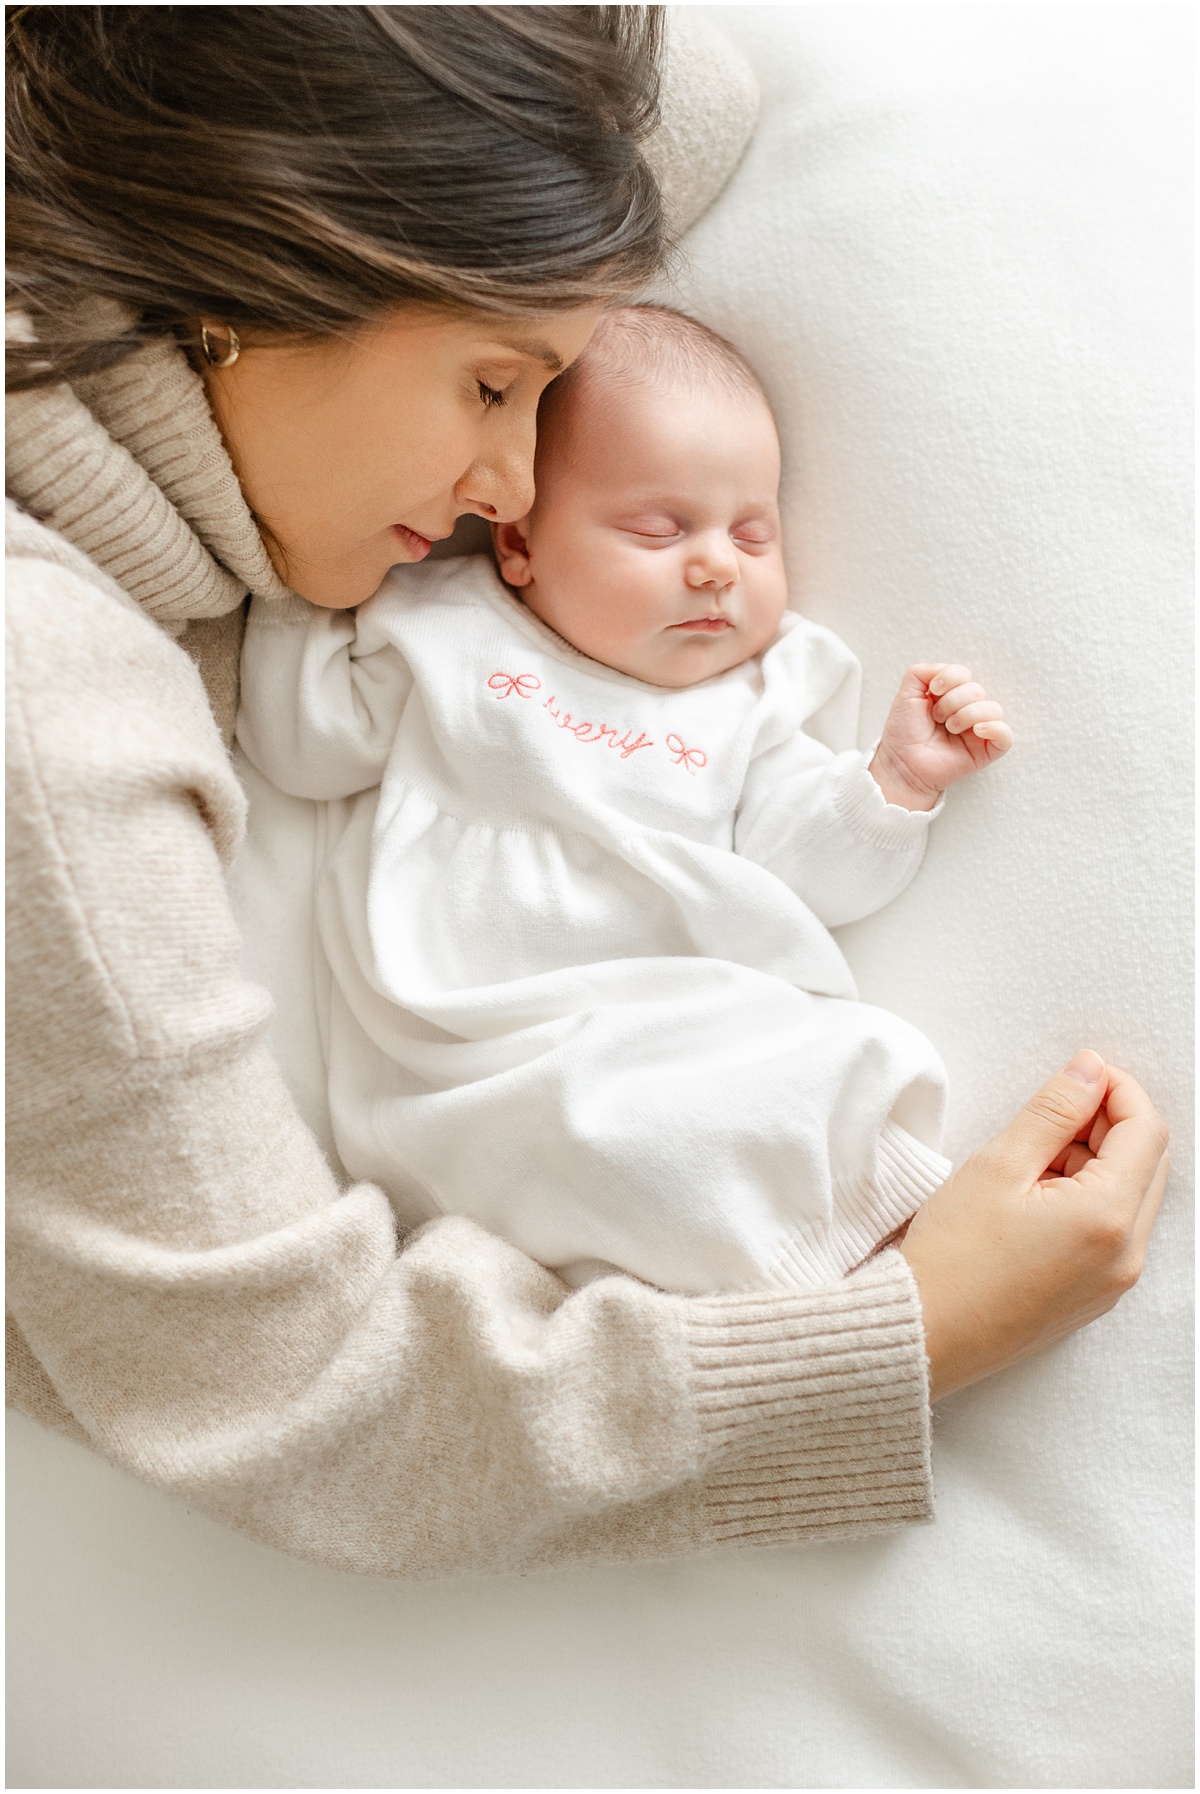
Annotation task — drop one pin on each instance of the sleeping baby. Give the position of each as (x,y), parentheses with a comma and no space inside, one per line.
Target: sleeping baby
(586,822)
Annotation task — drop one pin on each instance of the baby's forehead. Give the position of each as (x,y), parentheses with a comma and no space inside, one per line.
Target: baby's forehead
(662,437)
(619,392)
(643,361)
(653,342)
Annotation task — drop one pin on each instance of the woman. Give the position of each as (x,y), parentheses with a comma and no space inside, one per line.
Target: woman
(290,289)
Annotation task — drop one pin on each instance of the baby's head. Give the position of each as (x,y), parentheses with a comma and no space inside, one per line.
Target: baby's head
(653,544)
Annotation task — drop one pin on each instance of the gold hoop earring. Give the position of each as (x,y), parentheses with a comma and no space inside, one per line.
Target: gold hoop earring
(216,356)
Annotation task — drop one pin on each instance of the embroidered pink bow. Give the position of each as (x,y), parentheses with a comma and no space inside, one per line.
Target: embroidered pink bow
(685,756)
(524,685)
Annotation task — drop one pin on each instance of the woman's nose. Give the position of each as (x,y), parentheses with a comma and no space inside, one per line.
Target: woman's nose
(712,562)
(499,485)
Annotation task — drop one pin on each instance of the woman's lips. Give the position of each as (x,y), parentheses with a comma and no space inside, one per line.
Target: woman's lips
(418,546)
(706,625)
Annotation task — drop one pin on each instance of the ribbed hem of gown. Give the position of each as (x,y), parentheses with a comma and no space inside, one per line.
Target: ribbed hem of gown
(815,1408)
(865,1210)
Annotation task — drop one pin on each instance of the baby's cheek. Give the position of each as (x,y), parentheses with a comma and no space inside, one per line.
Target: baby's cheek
(601,619)
(627,594)
(627,623)
(770,601)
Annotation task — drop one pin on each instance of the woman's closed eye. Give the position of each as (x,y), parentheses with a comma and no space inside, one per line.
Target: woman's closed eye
(491,395)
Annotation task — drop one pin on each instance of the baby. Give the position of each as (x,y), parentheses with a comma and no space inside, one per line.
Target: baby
(586,826)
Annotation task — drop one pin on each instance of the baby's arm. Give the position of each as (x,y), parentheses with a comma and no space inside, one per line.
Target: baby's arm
(322,694)
(820,822)
(846,837)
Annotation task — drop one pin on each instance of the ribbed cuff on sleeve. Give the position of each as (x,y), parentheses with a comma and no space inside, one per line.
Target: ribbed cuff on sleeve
(815,1408)
(859,802)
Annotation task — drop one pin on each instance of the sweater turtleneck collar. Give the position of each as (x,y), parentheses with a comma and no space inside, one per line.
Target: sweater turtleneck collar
(129,466)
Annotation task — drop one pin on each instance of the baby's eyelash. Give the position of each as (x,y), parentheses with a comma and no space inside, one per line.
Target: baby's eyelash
(489,394)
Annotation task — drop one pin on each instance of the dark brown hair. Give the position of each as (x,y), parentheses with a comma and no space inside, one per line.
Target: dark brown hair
(296,170)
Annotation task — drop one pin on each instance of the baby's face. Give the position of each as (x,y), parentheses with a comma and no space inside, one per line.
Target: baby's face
(653,545)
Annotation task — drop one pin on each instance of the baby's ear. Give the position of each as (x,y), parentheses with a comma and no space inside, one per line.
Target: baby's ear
(511,544)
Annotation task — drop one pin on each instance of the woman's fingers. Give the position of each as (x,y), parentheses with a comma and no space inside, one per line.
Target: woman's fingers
(1051,1120)
(1124,1182)
(1146,1216)
(1076,1151)
(1127,1101)
(1075,1158)
(1090,1134)
(1131,1259)
(1125,1146)
(1098,1130)
(1136,1136)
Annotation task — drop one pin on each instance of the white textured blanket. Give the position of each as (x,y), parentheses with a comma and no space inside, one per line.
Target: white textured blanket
(956,252)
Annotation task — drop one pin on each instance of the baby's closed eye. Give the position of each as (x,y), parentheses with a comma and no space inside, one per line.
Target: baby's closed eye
(752,535)
(654,528)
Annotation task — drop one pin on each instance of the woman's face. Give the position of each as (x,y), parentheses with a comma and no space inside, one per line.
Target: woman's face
(356,455)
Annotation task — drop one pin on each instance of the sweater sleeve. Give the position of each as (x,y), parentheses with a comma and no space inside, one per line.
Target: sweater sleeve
(191,1293)
(322,693)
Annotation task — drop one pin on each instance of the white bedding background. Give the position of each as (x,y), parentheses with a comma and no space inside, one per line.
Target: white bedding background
(958,253)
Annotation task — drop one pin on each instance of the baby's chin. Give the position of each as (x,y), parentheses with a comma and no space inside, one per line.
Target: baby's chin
(695,659)
(691,659)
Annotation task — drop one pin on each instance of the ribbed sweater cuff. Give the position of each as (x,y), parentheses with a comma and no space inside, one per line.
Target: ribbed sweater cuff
(815,1408)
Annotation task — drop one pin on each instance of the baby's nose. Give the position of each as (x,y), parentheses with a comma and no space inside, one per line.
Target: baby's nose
(714,563)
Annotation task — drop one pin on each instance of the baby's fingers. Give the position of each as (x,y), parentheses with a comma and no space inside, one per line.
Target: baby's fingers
(966,692)
(942,684)
(943,679)
(998,736)
(984,710)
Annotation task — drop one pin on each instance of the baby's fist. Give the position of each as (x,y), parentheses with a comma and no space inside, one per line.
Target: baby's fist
(941,726)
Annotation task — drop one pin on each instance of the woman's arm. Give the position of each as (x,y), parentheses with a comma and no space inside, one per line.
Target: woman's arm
(321,698)
(194,1295)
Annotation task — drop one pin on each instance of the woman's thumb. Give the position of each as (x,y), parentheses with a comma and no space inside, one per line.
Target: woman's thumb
(1051,1119)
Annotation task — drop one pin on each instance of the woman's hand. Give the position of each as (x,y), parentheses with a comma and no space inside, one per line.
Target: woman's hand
(1044,1229)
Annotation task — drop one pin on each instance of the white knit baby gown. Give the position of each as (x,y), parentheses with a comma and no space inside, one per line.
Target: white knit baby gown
(580,981)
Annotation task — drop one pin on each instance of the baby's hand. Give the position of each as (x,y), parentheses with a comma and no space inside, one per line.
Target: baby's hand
(940,727)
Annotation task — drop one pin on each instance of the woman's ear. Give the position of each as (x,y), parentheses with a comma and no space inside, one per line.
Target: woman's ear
(511,544)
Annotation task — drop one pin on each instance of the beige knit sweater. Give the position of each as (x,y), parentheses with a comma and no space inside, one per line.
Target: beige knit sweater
(190,1292)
